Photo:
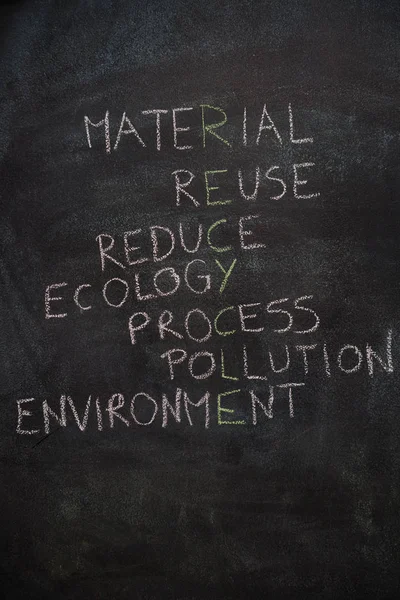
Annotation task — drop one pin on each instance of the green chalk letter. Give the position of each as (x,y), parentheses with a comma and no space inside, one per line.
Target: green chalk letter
(223,375)
(210,128)
(211,188)
(226,273)
(228,410)
(217,248)
(221,312)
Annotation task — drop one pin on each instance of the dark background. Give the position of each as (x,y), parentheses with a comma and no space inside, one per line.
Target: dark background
(304,507)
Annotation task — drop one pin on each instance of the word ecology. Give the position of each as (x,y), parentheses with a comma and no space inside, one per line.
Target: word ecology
(35,417)
(212,120)
(156,244)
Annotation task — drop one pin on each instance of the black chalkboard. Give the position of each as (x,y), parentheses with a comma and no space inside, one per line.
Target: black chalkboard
(199,346)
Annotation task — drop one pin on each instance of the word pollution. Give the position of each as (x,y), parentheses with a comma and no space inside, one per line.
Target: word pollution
(318,359)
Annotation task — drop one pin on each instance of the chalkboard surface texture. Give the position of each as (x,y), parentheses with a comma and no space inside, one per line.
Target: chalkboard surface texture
(200,299)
